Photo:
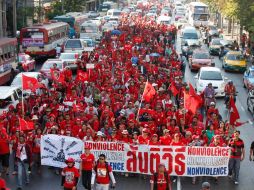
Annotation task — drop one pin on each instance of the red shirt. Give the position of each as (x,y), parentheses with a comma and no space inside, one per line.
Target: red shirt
(161,181)
(142,140)
(102,175)
(87,161)
(70,175)
(4,144)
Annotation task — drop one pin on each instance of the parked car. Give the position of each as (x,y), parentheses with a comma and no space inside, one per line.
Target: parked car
(70,59)
(248,78)
(234,61)
(17,81)
(28,63)
(9,96)
(49,64)
(250,101)
(210,75)
(200,59)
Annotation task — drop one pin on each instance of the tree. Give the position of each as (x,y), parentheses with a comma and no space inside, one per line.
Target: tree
(67,5)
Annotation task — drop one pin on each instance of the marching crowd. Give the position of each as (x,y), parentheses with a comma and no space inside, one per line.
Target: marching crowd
(134,94)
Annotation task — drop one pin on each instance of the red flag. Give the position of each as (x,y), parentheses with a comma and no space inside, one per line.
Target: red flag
(82,76)
(191,102)
(29,83)
(57,76)
(149,92)
(234,114)
(25,125)
(122,37)
(193,93)
(173,89)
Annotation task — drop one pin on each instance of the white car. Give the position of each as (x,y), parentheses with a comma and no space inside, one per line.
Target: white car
(107,27)
(210,75)
(9,95)
(181,22)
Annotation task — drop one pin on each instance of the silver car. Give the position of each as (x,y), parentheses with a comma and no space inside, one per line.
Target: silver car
(70,59)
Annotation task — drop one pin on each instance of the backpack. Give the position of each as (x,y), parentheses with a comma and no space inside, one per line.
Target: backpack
(155,185)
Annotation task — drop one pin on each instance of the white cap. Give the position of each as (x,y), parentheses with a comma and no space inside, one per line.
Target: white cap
(154,84)
(99,133)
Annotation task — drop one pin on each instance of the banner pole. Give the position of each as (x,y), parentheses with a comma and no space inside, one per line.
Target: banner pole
(178,184)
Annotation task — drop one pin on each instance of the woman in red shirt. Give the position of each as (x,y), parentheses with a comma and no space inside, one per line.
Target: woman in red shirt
(37,148)
(176,140)
(86,166)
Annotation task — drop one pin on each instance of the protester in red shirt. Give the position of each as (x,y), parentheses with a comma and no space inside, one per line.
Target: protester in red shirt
(160,180)
(144,138)
(4,150)
(86,166)
(70,175)
(102,173)
(37,148)
(154,140)
(176,140)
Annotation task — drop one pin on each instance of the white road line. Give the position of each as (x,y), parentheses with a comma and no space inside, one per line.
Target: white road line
(250,122)
(242,108)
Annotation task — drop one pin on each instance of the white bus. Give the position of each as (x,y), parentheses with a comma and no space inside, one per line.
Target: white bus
(198,14)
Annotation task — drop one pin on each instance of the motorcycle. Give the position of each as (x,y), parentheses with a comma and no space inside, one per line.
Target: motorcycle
(208,101)
(227,99)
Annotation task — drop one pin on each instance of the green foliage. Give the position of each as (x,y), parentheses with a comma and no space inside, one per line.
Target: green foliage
(69,6)
(241,10)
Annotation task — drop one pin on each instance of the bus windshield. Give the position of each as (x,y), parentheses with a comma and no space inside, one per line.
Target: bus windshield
(201,17)
(32,38)
(117,13)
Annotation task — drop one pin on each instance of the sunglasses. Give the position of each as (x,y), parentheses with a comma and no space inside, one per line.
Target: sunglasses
(101,159)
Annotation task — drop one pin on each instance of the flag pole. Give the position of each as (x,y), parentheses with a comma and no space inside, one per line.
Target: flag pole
(137,118)
(22,99)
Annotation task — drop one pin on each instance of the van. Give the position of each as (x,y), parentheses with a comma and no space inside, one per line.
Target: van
(9,96)
(191,36)
(114,13)
(74,46)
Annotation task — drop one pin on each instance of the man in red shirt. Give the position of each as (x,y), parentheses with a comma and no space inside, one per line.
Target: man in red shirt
(237,155)
(86,166)
(102,174)
(70,175)
(161,179)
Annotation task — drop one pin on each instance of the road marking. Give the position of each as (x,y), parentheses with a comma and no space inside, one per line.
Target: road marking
(242,108)
(250,122)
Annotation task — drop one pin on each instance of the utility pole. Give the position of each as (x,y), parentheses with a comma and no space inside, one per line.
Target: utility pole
(62,1)
(1,19)
(4,19)
(14,10)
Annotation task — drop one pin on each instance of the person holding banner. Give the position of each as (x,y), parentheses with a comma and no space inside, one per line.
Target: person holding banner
(86,167)
(70,175)
(102,173)
(160,180)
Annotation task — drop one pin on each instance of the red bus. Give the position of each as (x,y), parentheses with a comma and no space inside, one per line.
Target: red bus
(7,58)
(40,40)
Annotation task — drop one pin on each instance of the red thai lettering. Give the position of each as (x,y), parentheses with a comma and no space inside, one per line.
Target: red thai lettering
(131,164)
(154,159)
(179,164)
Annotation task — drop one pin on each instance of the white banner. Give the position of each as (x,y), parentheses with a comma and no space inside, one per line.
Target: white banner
(55,149)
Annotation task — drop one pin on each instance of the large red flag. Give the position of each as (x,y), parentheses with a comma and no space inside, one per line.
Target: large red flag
(149,92)
(234,114)
(82,76)
(29,83)
(25,125)
(57,76)
(191,102)
(173,89)
(193,93)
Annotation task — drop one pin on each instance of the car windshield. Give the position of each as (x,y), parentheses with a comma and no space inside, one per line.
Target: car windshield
(73,44)
(251,75)
(49,65)
(234,57)
(201,56)
(116,13)
(88,29)
(191,35)
(216,42)
(210,75)
(67,56)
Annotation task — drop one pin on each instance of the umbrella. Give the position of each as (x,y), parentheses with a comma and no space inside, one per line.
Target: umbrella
(116,32)
(155,55)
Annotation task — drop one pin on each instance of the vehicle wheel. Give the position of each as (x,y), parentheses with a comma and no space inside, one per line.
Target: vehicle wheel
(248,107)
